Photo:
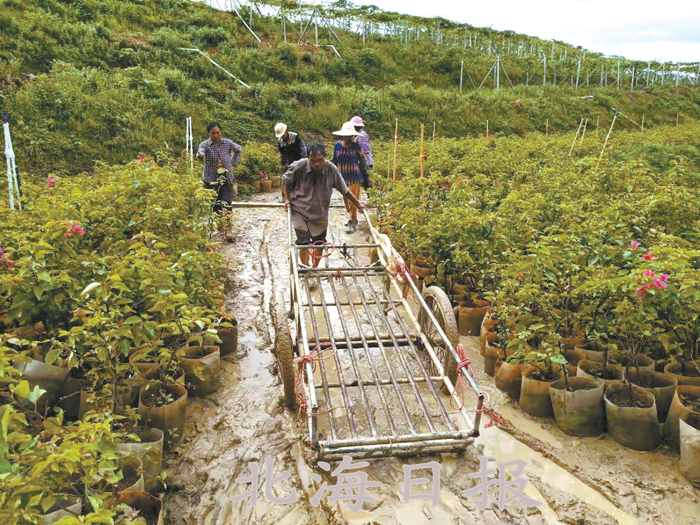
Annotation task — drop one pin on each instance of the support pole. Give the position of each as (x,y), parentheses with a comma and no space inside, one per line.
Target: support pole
(461,76)
(544,76)
(578,72)
(577,132)
(678,73)
(422,150)
(189,141)
(434,126)
(607,138)
(487,129)
(12,173)
(546,128)
(498,73)
(642,123)
(632,79)
(396,144)
(583,133)
(597,126)
(217,65)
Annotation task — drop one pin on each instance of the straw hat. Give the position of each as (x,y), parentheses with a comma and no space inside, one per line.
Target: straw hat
(357,121)
(280,129)
(348,130)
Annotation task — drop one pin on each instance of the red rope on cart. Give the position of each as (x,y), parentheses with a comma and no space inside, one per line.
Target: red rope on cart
(315,258)
(399,271)
(313,357)
(461,387)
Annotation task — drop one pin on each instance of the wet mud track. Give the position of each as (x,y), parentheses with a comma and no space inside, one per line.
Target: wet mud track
(579,481)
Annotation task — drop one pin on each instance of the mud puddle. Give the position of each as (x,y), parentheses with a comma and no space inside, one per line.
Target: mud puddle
(588,481)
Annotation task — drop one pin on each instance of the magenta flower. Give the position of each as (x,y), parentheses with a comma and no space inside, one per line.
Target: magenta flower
(4,258)
(648,273)
(77,229)
(640,292)
(634,245)
(140,158)
(648,256)
(262,175)
(658,283)
(69,233)
(521,277)
(664,277)
(50,183)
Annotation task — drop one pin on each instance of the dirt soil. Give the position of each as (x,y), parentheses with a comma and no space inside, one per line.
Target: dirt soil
(578,480)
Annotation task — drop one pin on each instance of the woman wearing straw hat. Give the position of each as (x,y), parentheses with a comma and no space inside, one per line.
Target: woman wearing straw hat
(348,157)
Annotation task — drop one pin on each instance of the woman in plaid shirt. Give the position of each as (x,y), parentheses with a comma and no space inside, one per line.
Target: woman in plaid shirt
(220,156)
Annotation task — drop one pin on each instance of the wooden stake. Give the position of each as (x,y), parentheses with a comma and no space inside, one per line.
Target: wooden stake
(642,123)
(607,138)
(388,165)
(597,125)
(434,123)
(487,129)
(422,160)
(396,143)
(577,132)
(546,128)
(585,125)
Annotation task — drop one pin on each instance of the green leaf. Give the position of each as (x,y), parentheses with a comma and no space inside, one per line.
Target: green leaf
(90,287)
(35,394)
(47,503)
(44,276)
(133,320)
(52,355)
(21,390)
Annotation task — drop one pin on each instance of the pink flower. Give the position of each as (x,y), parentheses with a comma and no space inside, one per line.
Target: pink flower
(664,276)
(648,273)
(521,277)
(648,256)
(152,162)
(69,233)
(4,258)
(634,245)
(77,229)
(640,292)
(140,158)
(658,283)
(50,183)
(262,175)
(459,181)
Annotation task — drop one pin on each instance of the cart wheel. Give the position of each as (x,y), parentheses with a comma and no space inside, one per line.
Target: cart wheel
(440,306)
(285,359)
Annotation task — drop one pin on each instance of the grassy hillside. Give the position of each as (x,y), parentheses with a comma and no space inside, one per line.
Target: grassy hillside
(111,81)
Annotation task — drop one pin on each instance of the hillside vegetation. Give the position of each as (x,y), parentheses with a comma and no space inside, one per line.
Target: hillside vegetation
(111,81)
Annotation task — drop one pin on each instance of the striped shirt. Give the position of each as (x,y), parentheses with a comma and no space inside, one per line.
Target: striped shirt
(350,161)
(363,140)
(226,154)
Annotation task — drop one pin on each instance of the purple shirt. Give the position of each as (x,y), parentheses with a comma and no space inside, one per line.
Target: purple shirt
(363,140)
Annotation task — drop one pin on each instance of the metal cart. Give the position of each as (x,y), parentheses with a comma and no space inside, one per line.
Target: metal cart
(378,357)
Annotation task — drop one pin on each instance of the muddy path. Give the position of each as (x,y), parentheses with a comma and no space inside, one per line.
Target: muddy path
(579,481)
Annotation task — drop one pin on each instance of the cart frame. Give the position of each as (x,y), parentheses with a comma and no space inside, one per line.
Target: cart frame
(378,444)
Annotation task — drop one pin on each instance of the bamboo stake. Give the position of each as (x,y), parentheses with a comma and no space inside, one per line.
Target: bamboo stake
(388,165)
(422,154)
(396,143)
(597,125)
(642,123)
(487,129)
(577,132)
(607,138)
(434,123)
(546,128)
(583,134)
